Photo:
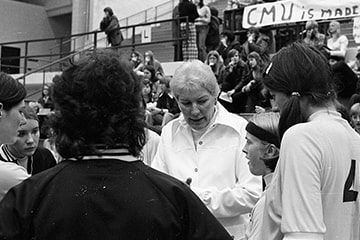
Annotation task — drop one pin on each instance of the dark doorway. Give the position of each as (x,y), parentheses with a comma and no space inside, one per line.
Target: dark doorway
(10,66)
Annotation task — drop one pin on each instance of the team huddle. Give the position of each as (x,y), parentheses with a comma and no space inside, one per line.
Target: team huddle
(288,175)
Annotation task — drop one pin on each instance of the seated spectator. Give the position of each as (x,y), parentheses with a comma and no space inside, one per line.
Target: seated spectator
(254,88)
(26,151)
(150,76)
(215,61)
(166,107)
(236,77)
(262,151)
(354,112)
(312,35)
(136,63)
(102,190)
(344,78)
(337,43)
(12,94)
(149,59)
(355,65)
(227,43)
(257,41)
(45,99)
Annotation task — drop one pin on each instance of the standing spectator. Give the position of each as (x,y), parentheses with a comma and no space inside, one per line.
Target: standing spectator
(202,27)
(228,42)
(236,77)
(262,149)
(215,61)
(312,35)
(257,41)
(213,36)
(12,94)
(26,151)
(313,192)
(337,43)
(203,146)
(189,48)
(175,27)
(110,25)
(102,190)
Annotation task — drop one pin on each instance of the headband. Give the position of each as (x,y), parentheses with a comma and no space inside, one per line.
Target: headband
(262,134)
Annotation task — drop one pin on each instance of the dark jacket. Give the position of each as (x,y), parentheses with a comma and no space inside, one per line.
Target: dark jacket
(110,25)
(106,199)
(188,9)
(237,78)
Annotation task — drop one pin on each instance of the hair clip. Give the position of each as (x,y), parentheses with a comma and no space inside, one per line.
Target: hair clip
(297,94)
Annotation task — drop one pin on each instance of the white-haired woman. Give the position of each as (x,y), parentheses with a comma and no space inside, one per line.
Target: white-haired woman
(203,147)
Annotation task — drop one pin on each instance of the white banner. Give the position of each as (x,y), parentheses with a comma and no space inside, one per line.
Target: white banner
(290,11)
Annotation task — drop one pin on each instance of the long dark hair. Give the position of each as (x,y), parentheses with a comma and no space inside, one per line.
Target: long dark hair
(97,102)
(299,71)
(12,92)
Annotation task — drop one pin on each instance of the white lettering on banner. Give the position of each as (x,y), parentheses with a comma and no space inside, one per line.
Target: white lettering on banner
(298,10)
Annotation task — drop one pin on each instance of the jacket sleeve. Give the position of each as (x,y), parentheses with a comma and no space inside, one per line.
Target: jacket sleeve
(113,25)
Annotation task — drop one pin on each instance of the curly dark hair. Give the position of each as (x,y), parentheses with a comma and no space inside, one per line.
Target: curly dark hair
(97,102)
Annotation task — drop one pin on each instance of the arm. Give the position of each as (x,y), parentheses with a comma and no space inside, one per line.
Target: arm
(204,15)
(239,198)
(114,24)
(11,175)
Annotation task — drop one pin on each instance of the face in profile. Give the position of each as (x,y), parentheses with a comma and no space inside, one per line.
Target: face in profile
(355,116)
(10,122)
(255,150)
(27,139)
(197,106)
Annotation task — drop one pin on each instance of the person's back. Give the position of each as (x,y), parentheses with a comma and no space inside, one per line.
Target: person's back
(109,199)
(334,171)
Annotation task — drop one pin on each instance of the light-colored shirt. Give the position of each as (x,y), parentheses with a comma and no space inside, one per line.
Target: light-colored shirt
(253,231)
(339,46)
(150,148)
(313,191)
(11,175)
(204,16)
(217,166)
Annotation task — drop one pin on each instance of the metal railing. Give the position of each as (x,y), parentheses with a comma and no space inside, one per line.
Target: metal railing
(159,12)
(63,56)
